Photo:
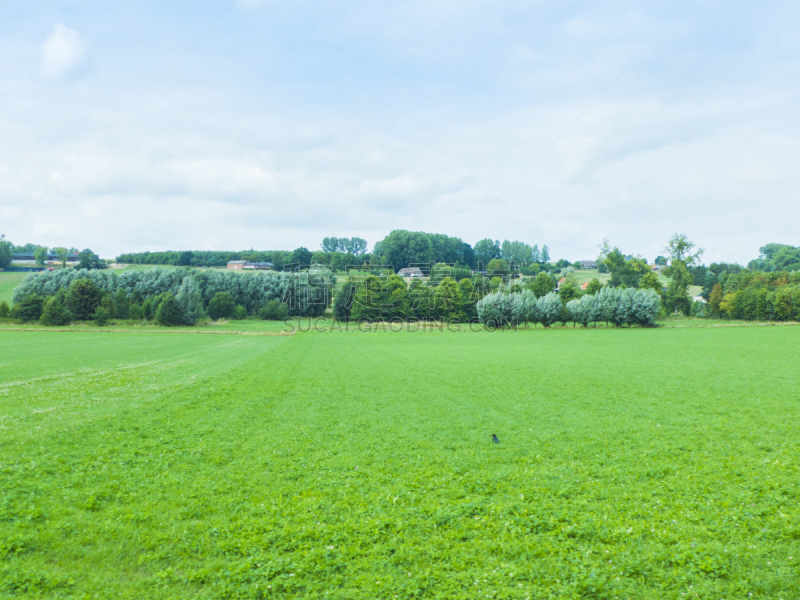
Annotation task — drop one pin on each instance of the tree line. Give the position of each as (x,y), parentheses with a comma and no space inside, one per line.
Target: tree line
(169,296)
(617,306)
(399,249)
(753,296)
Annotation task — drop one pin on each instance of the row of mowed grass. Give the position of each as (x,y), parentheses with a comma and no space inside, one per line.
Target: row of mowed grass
(641,463)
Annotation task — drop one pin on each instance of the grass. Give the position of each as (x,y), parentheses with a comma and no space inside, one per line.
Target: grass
(8,281)
(642,463)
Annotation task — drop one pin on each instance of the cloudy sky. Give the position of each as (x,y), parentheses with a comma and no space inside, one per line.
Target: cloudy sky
(128,126)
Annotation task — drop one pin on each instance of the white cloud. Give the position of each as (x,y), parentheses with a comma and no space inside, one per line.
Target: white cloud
(63,52)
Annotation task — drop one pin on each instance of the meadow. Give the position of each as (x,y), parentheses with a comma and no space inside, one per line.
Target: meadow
(635,463)
(8,281)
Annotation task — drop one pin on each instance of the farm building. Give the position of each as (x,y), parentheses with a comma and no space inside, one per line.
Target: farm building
(21,258)
(236,265)
(410,272)
(258,266)
(588,264)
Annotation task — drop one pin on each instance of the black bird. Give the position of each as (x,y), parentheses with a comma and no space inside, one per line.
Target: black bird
(494,439)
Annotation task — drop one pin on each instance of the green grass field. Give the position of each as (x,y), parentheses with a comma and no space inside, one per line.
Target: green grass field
(637,463)
(8,281)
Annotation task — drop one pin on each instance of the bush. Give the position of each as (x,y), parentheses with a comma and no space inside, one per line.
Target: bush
(240,313)
(274,311)
(101,316)
(4,310)
(83,299)
(147,310)
(55,313)
(135,312)
(29,308)
(168,313)
(221,306)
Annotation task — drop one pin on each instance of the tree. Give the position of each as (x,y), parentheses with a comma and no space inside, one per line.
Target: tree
(83,298)
(486,250)
(594,286)
(101,316)
(569,291)
(29,308)
(89,260)
(190,301)
(715,299)
(661,261)
(343,301)
(55,312)
(301,256)
(679,247)
(62,254)
(625,271)
(518,253)
(545,254)
(497,266)
(330,244)
(185,258)
(221,306)
(353,245)
(40,255)
(6,253)
(542,285)
(402,248)
(122,305)
(4,309)
(274,311)
(549,309)
(168,313)
(676,297)
(649,281)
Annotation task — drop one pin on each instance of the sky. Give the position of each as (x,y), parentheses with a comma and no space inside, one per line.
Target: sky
(220,125)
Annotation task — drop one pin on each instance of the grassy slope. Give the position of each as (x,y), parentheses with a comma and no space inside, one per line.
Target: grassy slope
(8,281)
(633,463)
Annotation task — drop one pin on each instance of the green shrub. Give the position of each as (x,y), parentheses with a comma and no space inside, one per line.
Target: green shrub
(101,316)
(240,313)
(121,305)
(221,306)
(147,310)
(168,313)
(29,308)
(274,311)
(83,299)
(135,312)
(55,313)
(4,310)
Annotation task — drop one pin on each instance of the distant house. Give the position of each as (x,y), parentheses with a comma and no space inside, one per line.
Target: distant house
(584,285)
(410,272)
(588,264)
(236,265)
(560,281)
(50,258)
(258,266)
(699,298)
(658,268)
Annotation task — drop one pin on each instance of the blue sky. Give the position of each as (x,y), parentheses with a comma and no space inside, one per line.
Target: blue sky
(282,123)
